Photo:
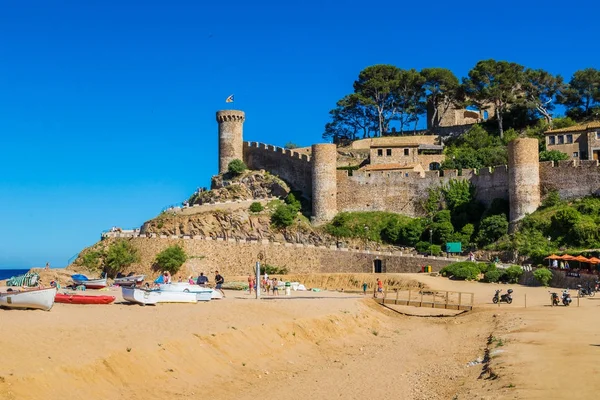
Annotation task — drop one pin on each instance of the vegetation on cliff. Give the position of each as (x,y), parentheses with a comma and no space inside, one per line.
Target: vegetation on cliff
(110,258)
(170,259)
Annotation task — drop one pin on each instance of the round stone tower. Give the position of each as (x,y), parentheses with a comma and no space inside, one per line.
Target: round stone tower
(324,185)
(231,146)
(523,178)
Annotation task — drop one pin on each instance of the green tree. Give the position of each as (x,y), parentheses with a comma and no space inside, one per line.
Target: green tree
(496,82)
(541,90)
(256,207)
(412,232)
(353,116)
(543,276)
(553,155)
(408,98)
(92,259)
(376,86)
(293,203)
(283,216)
(236,167)
(171,259)
(513,273)
(458,194)
(492,228)
(121,254)
(441,87)
(291,145)
(583,93)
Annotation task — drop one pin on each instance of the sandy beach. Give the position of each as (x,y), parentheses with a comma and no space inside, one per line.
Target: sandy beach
(312,344)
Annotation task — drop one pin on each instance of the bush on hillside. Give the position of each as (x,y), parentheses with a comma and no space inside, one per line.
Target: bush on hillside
(464,270)
(543,276)
(283,216)
(492,228)
(170,259)
(121,254)
(236,167)
(92,259)
(422,247)
(294,203)
(513,273)
(256,207)
(493,275)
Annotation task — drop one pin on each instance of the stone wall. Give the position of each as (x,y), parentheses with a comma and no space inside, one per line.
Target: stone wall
(293,167)
(572,178)
(238,258)
(490,183)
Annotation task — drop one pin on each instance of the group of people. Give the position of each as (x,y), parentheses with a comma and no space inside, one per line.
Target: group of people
(266,284)
(166,278)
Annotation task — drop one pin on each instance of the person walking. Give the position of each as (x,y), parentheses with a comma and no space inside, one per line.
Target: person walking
(250,284)
(379,287)
(275,288)
(364,286)
(219,280)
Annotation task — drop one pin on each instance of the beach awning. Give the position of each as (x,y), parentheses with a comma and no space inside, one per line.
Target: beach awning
(566,257)
(555,257)
(582,259)
(594,260)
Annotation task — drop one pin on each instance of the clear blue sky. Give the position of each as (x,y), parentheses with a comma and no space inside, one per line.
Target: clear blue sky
(107,108)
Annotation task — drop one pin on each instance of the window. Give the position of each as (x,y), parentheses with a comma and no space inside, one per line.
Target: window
(388,152)
(575,154)
(406,152)
(597,134)
(569,138)
(379,152)
(551,140)
(561,139)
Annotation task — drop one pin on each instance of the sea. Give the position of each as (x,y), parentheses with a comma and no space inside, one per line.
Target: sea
(9,273)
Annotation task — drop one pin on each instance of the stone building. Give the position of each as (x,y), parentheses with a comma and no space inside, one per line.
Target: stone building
(404,188)
(579,142)
(405,152)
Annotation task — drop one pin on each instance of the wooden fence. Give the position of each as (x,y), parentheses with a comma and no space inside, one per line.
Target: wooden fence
(430,298)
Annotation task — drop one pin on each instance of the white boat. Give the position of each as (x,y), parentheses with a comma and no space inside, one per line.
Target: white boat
(40,299)
(202,293)
(89,283)
(129,280)
(142,296)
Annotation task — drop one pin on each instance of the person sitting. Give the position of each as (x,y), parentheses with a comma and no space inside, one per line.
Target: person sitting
(190,280)
(167,277)
(202,280)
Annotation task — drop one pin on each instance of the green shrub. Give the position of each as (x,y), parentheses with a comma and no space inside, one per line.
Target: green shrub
(513,273)
(256,207)
(273,270)
(493,275)
(171,259)
(435,250)
(92,259)
(294,203)
(552,199)
(543,276)
(484,268)
(120,255)
(422,247)
(464,270)
(553,155)
(492,228)
(283,216)
(236,167)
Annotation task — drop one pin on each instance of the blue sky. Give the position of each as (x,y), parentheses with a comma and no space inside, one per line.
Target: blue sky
(107,108)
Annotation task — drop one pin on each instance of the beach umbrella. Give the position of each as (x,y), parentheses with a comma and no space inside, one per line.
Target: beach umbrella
(581,259)
(566,257)
(594,260)
(554,257)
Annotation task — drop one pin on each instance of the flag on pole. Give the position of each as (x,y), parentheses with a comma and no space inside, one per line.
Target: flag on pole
(229,99)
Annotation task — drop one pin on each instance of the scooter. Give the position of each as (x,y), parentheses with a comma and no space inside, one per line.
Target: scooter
(566,298)
(554,299)
(586,291)
(506,298)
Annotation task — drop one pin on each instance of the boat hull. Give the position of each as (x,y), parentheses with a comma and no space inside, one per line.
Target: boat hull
(145,297)
(202,293)
(91,283)
(38,299)
(130,280)
(66,298)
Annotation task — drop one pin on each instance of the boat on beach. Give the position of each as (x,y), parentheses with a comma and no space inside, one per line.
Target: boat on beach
(39,299)
(145,297)
(202,293)
(129,280)
(67,298)
(89,283)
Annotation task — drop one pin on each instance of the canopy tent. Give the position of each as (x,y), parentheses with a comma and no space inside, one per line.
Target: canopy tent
(594,260)
(552,257)
(566,257)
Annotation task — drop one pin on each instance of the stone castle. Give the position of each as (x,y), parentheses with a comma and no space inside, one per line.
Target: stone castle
(315,173)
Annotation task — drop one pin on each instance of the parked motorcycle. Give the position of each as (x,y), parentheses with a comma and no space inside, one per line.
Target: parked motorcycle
(566,298)
(554,299)
(589,291)
(506,298)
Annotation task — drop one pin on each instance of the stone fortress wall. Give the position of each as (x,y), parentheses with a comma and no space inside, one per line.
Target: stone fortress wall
(523,183)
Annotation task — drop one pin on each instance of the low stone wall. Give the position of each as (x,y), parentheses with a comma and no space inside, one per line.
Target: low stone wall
(239,257)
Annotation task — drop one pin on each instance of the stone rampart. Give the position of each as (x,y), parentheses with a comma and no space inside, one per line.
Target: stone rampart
(572,178)
(404,192)
(232,257)
(294,168)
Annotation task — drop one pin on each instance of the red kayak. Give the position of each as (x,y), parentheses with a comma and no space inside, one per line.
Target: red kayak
(82,299)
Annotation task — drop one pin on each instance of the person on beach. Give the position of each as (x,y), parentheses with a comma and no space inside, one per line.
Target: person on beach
(47,266)
(202,280)
(364,286)
(167,277)
(250,284)
(275,288)
(190,280)
(219,282)
(379,287)
(267,286)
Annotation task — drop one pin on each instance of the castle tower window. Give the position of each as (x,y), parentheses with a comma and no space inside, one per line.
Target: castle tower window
(569,138)
(598,135)
(379,152)
(575,154)
(551,140)
(388,152)
(406,152)
(561,139)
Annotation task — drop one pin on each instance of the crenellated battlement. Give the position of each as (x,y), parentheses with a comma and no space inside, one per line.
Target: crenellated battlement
(278,150)
(231,116)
